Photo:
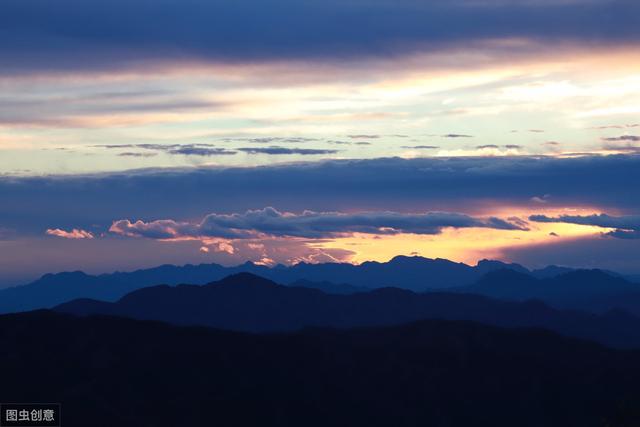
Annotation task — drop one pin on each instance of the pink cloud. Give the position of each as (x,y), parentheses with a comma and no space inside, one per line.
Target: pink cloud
(76,233)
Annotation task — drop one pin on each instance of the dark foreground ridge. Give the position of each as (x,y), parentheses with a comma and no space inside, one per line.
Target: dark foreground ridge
(121,372)
(245,302)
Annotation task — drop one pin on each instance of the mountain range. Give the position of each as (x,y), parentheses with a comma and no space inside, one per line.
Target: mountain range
(245,302)
(413,273)
(120,372)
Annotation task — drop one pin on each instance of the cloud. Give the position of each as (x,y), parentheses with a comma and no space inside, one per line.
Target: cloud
(176,149)
(459,184)
(309,224)
(218,31)
(201,151)
(483,147)
(283,150)
(73,106)
(76,233)
(456,135)
(626,227)
(625,143)
(623,138)
(420,147)
(363,136)
(625,126)
(134,154)
(541,200)
(273,139)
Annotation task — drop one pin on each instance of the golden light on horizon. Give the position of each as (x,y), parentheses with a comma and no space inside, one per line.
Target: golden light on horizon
(467,245)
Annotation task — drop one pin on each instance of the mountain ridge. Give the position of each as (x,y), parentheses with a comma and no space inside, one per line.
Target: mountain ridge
(245,302)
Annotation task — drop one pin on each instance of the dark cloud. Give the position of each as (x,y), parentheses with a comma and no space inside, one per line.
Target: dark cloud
(513,146)
(284,150)
(201,151)
(624,234)
(86,34)
(623,138)
(626,227)
(182,149)
(362,143)
(308,224)
(135,154)
(456,135)
(33,204)
(363,136)
(482,147)
(624,143)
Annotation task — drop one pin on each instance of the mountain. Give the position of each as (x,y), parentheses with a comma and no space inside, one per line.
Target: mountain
(328,287)
(415,273)
(592,290)
(635,278)
(245,302)
(551,271)
(121,372)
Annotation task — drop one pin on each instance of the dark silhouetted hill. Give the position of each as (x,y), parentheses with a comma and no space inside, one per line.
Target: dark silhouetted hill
(119,372)
(592,290)
(329,287)
(246,302)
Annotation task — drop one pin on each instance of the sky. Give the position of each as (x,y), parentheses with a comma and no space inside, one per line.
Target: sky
(139,133)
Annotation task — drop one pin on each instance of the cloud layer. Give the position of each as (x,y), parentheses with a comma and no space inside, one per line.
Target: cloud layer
(34,204)
(626,227)
(80,33)
(308,224)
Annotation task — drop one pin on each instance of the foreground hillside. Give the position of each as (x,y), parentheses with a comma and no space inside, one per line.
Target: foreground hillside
(119,372)
(246,302)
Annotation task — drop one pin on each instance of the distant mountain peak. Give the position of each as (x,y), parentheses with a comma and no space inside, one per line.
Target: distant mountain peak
(64,275)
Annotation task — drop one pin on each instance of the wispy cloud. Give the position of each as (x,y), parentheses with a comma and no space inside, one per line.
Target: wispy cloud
(182,149)
(364,136)
(629,138)
(420,147)
(285,151)
(456,135)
